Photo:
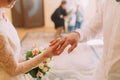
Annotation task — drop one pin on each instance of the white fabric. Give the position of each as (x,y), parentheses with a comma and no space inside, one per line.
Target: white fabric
(108,18)
(79,65)
(7,28)
(72,18)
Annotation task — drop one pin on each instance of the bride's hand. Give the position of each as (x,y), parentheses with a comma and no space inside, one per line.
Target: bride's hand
(71,39)
(52,50)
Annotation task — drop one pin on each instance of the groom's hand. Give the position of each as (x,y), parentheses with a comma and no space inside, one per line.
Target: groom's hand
(72,39)
(52,49)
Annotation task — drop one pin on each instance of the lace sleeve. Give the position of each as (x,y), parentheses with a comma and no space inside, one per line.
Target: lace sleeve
(8,62)
(7,59)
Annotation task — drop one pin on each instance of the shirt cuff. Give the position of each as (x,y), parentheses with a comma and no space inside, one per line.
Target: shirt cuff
(80,33)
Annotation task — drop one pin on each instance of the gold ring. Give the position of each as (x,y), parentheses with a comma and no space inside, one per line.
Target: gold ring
(58,38)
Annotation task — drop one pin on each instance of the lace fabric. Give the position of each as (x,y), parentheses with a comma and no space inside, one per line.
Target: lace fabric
(6,28)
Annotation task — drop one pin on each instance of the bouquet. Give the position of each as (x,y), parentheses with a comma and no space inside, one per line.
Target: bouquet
(42,68)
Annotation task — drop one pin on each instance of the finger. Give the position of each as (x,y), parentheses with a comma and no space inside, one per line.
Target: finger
(57,46)
(61,49)
(59,43)
(62,41)
(55,53)
(72,48)
(54,41)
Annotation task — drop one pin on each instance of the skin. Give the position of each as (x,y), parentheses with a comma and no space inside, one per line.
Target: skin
(63,6)
(72,39)
(7,51)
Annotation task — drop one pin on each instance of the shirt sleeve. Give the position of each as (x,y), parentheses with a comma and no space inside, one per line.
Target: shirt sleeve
(90,29)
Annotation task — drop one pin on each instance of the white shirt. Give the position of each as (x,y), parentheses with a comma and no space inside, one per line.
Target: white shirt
(108,18)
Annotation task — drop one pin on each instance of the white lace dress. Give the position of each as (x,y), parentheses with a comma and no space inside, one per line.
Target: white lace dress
(6,28)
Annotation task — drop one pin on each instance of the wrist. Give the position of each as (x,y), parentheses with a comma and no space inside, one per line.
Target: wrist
(76,34)
(47,54)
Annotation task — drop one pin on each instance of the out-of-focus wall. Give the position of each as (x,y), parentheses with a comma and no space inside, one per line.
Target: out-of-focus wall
(49,7)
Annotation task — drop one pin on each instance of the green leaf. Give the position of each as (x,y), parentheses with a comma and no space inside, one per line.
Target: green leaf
(34,72)
(44,73)
(40,52)
(29,55)
(44,48)
(51,57)
(38,79)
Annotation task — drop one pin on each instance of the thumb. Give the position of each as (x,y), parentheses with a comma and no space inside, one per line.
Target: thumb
(72,48)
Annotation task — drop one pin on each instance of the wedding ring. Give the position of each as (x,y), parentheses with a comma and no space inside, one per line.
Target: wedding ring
(58,38)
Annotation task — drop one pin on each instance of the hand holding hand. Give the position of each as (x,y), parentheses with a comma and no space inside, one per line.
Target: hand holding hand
(71,39)
(52,49)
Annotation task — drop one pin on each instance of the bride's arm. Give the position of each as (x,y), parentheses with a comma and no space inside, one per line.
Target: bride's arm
(9,64)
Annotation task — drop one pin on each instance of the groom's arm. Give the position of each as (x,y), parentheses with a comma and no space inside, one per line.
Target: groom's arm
(90,29)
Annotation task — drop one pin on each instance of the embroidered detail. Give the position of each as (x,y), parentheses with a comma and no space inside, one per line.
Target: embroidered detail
(1,43)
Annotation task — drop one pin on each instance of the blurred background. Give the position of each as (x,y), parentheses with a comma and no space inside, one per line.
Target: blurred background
(35,15)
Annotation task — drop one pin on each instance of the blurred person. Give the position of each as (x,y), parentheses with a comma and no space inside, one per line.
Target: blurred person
(10,66)
(58,17)
(71,20)
(79,17)
(107,18)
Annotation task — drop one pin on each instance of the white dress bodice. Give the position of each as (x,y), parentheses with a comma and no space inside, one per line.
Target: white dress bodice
(6,28)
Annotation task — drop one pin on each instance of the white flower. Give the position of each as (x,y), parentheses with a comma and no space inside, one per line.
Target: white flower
(45,69)
(41,65)
(48,60)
